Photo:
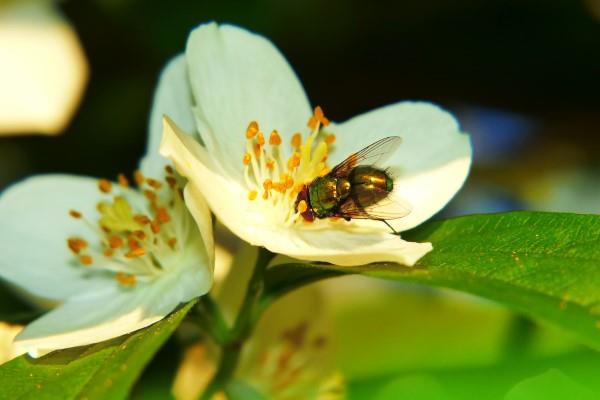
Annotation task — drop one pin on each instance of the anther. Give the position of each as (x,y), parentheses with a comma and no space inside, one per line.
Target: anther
(85,259)
(150,195)
(137,252)
(260,139)
(257,150)
(330,138)
(155,226)
(115,242)
(75,214)
(141,219)
(76,244)
(252,195)
(104,185)
(109,252)
(289,182)
(267,184)
(140,235)
(138,177)
(320,116)
(265,195)
(294,161)
(247,158)
(172,182)
(252,130)
(270,165)
(162,215)
(274,138)
(169,170)
(296,140)
(125,279)
(154,183)
(123,181)
(172,242)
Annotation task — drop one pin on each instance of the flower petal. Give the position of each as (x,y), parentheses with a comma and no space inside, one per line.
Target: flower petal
(431,164)
(34,231)
(238,77)
(173,97)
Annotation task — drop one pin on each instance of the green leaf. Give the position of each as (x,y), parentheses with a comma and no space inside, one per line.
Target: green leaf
(104,370)
(551,385)
(546,265)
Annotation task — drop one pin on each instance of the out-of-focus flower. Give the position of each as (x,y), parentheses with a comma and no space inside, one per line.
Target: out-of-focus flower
(7,347)
(242,98)
(43,69)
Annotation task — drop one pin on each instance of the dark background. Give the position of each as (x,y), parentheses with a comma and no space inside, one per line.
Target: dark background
(522,76)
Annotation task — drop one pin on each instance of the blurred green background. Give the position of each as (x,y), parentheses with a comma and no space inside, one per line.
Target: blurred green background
(522,76)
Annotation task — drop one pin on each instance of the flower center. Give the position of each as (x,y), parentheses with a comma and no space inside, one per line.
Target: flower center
(138,239)
(277,180)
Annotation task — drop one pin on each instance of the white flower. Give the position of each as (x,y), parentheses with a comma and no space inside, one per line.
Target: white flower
(114,257)
(237,94)
(43,69)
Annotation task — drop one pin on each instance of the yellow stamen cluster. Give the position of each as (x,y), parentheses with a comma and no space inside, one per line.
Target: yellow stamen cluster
(280,181)
(135,241)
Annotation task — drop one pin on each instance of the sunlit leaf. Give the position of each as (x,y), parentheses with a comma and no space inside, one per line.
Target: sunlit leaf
(546,265)
(104,370)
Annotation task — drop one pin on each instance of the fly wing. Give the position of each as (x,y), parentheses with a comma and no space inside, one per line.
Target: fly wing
(390,207)
(374,154)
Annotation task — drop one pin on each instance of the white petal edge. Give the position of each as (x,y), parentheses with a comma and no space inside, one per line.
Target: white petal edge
(115,310)
(431,164)
(173,97)
(238,77)
(34,231)
(226,199)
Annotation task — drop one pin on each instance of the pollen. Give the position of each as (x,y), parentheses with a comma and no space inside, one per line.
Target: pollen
(138,177)
(302,206)
(257,150)
(274,138)
(137,252)
(252,130)
(125,279)
(150,195)
(247,158)
(115,242)
(296,140)
(76,244)
(141,219)
(329,139)
(104,185)
(75,214)
(294,161)
(260,138)
(123,181)
(86,259)
(162,215)
(154,183)
(252,195)
(270,165)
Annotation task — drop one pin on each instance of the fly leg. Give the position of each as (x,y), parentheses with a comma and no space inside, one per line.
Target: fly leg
(394,232)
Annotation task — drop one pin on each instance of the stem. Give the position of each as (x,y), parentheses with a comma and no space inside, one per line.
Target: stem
(242,327)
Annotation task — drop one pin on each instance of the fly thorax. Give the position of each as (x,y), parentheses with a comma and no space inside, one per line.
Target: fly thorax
(275,174)
(140,233)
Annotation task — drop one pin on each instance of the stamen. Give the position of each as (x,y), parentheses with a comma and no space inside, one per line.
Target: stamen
(252,195)
(104,185)
(138,177)
(75,214)
(268,184)
(115,242)
(123,181)
(247,158)
(125,279)
(76,245)
(154,183)
(294,161)
(86,260)
(162,215)
(270,165)
(274,138)
(296,140)
(257,150)
(137,252)
(252,130)
(260,138)
(329,139)
(320,116)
